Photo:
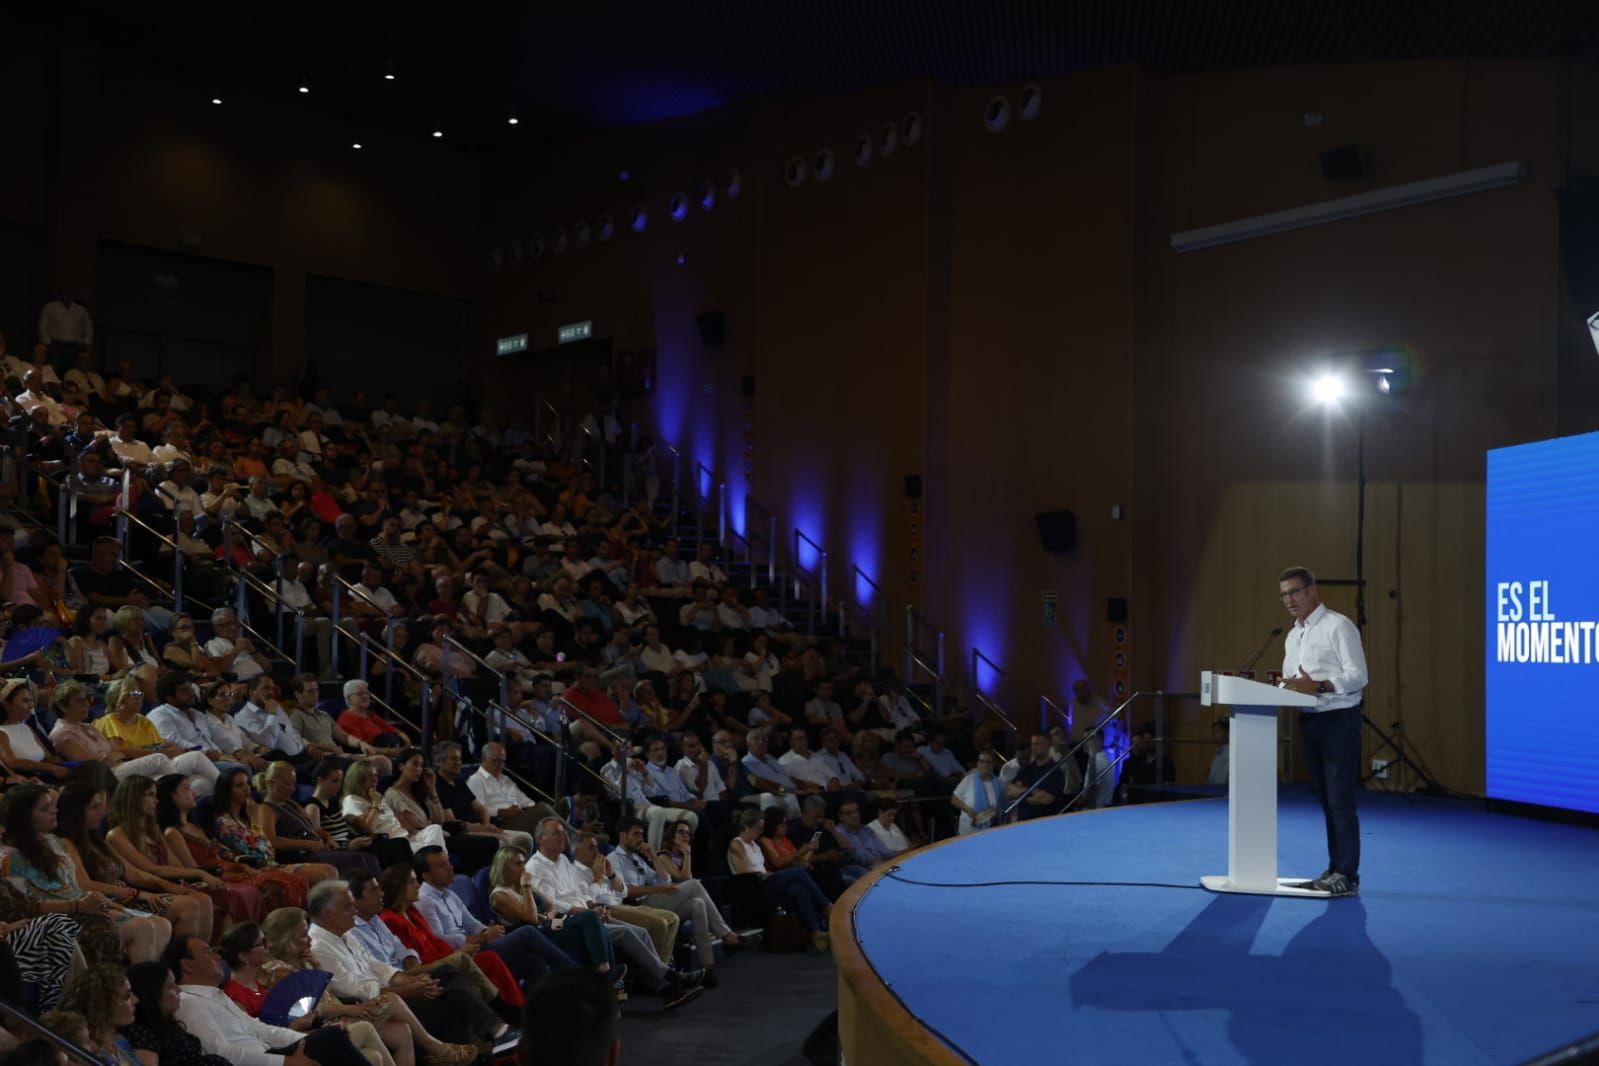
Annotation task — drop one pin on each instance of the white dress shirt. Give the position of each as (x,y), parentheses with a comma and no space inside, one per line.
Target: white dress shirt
(447,915)
(891,837)
(496,793)
(1327,645)
(180,728)
(66,321)
(224,1029)
(560,881)
(270,729)
(804,767)
(612,772)
(689,770)
(356,974)
(245,668)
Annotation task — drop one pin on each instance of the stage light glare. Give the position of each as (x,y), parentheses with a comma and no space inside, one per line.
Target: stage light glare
(512,120)
(216,101)
(438,133)
(304,88)
(356,145)
(1383,385)
(1327,390)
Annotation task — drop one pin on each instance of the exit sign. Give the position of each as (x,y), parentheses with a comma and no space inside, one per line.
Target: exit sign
(511,345)
(576,331)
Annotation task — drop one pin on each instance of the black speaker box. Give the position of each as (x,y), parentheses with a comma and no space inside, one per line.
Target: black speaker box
(1057,530)
(1116,610)
(1340,164)
(913,486)
(713,328)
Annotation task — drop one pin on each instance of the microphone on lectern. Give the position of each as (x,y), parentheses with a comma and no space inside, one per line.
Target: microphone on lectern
(1249,663)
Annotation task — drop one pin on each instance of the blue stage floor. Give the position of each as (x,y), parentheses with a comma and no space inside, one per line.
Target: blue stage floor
(1475,939)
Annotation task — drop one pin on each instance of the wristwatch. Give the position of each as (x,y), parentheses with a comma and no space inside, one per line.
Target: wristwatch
(1322,688)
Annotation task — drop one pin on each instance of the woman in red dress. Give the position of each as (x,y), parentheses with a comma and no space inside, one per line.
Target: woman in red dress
(406,922)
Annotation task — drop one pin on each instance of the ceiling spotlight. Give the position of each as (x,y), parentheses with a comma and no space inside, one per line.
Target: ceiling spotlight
(513,120)
(1327,390)
(216,101)
(356,146)
(1383,385)
(438,133)
(304,88)
(388,75)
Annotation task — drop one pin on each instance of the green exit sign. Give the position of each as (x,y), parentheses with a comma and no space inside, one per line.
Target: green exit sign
(511,345)
(576,331)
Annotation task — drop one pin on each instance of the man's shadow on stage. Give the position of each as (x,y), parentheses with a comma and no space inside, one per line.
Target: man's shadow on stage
(1330,970)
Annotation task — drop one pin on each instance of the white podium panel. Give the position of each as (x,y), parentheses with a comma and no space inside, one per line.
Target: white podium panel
(1252,785)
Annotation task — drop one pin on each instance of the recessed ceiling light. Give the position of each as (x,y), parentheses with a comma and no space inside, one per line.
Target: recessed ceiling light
(304,88)
(217,101)
(356,146)
(438,133)
(513,120)
(388,75)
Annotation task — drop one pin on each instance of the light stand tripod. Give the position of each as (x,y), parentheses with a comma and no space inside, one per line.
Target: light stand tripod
(1395,742)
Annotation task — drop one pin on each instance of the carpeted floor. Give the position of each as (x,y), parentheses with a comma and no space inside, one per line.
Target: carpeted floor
(1475,940)
(760,1015)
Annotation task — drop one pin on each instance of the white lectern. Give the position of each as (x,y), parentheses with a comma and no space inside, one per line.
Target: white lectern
(1252,785)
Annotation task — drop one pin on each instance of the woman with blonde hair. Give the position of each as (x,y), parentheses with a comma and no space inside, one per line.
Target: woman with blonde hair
(131,651)
(135,736)
(368,815)
(373,1027)
(77,740)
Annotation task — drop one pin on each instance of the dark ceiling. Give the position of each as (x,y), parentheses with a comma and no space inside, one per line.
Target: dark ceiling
(574,66)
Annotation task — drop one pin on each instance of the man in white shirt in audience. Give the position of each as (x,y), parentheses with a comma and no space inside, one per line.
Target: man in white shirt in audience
(34,396)
(940,758)
(823,711)
(507,805)
(224,1029)
(561,881)
(809,773)
(890,836)
(449,1010)
(699,771)
(767,775)
(231,650)
(672,572)
(127,445)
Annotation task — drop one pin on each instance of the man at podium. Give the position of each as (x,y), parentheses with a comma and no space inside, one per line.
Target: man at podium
(1323,657)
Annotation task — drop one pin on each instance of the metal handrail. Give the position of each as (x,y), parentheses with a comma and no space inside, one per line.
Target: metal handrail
(1095,731)
(610,734)
(677,484)
(125,516)
(50,1036)
(751,505)
(816,576)
(914,621)
(1045,705)
(702,497)
(845,608)
(540,405)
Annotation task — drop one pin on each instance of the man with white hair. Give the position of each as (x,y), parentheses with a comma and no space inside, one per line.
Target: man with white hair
(230,650)
(506,805)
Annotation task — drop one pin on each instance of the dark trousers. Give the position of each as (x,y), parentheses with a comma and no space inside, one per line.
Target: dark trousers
(528,954)
(795,887)
(459,1016)
(1332,755)
(583,936)
(329,1046)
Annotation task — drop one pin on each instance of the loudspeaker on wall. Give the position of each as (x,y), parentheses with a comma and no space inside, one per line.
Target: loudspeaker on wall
(1057,530)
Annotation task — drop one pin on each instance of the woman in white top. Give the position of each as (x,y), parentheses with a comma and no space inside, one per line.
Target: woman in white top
(793,886)
(219,697)
(412,803)
(760,666)
(20,748)
(631,610)
(364,809)
(87,652)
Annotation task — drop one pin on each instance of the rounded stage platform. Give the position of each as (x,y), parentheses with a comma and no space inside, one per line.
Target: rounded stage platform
(1087,938)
